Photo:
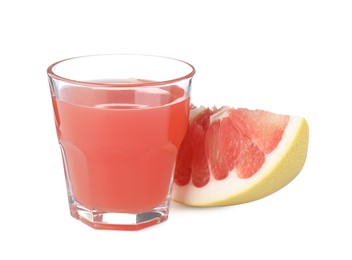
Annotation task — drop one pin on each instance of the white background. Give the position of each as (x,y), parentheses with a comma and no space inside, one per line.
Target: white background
(292,57)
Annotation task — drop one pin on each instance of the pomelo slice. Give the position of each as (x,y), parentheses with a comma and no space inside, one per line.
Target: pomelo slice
(231,156)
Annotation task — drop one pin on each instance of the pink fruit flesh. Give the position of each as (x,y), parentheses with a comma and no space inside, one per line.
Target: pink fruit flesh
(264,128)
(214,154)
(238,141)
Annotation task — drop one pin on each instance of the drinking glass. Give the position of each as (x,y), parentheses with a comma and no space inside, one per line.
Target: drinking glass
(120,120)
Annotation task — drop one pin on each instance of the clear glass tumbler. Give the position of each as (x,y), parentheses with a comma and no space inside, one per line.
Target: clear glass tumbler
(120,120)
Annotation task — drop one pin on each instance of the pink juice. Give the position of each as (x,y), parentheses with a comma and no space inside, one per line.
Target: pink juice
(120,146)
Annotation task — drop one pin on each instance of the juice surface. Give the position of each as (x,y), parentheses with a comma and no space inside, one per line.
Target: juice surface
(120,146)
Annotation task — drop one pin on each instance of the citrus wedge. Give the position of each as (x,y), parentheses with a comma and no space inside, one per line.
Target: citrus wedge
(231,156)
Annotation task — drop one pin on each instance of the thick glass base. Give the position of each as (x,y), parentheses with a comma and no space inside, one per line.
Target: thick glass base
(119,221)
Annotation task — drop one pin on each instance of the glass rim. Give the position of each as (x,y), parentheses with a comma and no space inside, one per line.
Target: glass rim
(52,74)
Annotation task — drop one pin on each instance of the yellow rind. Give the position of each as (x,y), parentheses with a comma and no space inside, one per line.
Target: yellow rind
(285,170)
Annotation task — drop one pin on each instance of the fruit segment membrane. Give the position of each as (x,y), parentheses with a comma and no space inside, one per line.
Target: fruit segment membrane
(120,146)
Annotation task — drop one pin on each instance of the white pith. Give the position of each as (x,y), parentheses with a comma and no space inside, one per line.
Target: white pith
(217,190)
